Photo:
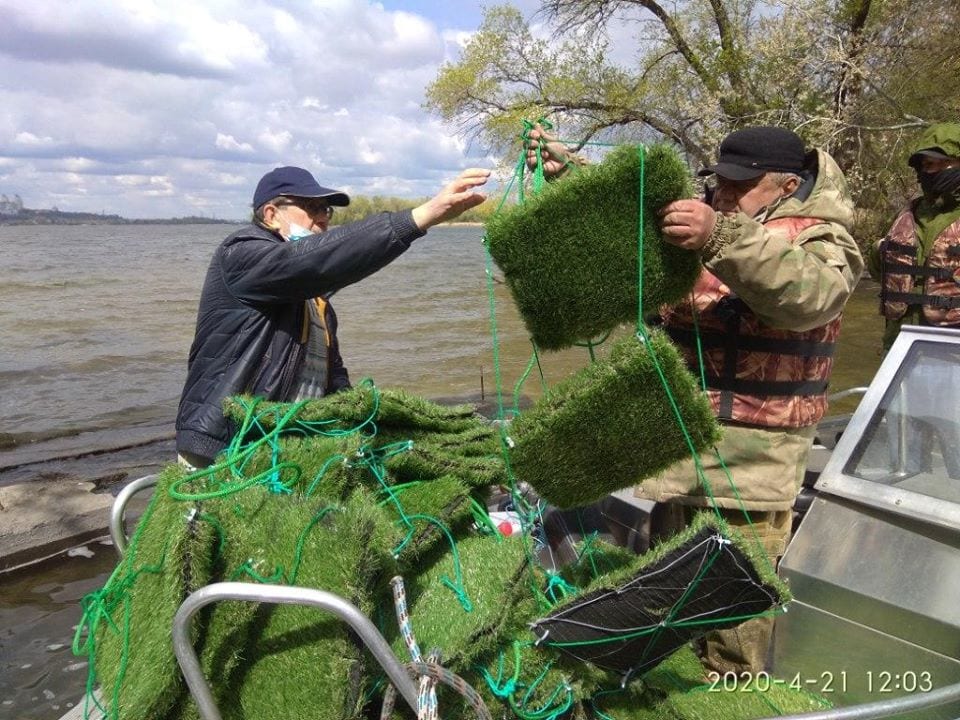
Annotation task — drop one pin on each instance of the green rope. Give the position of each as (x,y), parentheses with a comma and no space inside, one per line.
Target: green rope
(591,344)
(594,705)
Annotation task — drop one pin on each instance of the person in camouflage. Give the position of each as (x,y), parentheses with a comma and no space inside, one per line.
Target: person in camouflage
(918,262)
(918,267)
(779,264)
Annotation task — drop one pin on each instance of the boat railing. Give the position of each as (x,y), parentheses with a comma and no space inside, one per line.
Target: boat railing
(287,595)
(883,708)
(118,532)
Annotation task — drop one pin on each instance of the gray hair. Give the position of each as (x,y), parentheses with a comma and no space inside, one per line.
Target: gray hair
(781,178)
(257,216)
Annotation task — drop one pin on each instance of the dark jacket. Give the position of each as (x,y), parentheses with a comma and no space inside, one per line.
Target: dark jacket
(252,309)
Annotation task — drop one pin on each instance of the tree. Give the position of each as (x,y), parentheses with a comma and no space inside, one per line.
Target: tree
(856,77)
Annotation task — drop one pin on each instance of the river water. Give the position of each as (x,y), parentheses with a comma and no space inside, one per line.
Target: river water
(96,324)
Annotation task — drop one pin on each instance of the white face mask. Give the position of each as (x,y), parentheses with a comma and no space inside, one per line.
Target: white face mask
(296,232)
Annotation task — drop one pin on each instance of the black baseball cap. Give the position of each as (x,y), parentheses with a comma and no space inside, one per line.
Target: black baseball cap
(751,152)
(294,182)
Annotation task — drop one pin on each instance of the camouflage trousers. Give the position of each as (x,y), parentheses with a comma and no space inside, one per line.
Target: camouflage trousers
(744,648)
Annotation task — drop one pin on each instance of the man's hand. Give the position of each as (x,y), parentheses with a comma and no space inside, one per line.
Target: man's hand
(555,155)
(453,200)
(687,223)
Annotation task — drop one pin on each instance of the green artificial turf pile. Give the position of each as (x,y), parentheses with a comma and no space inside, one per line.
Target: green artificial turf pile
(338,494)
(470,593)
(569,253)
(170,555)
(282,661)
(611,424)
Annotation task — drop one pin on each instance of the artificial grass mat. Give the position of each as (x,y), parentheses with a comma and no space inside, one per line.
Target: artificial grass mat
(413,438)
(339,512)
(169,556)
(489,573)
(283,661)
(359,407)
(570,253)
(612,424)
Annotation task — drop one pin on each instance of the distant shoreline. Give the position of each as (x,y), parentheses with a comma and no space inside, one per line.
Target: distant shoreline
(109,220)
(92,219)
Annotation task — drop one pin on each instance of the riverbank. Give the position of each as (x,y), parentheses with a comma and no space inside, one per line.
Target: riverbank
(50,507)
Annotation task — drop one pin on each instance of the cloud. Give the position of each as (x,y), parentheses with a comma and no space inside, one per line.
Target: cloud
(29,139)
(228,142)
(180,38)
(153,108)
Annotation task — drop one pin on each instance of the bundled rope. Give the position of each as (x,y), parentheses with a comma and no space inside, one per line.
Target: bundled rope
(429,672)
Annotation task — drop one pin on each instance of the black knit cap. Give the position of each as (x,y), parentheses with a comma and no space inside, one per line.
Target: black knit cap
(751,152)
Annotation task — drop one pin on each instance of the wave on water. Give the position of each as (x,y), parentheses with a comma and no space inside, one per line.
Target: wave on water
(96,436)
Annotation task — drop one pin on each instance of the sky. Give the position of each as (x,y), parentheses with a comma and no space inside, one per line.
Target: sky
(170,108)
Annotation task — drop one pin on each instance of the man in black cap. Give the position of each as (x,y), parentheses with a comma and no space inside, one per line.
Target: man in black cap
(779,263)
(264,325)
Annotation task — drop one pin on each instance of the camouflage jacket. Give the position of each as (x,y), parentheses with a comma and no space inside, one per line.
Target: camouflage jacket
(937,277)
(768,305)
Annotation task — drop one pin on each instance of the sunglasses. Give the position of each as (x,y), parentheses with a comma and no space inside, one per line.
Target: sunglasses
(314,207)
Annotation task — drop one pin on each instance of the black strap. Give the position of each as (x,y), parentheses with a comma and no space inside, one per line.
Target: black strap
(938,302)
(888,244)
(940,273)
(710,339)
(731,310)
(765,388)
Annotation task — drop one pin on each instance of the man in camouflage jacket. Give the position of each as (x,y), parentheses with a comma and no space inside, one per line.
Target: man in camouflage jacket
(779,264)
(918,267)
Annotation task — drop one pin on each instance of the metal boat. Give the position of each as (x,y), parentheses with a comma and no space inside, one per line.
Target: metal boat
(875,564)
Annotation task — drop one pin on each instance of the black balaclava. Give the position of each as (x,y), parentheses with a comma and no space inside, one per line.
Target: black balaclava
(944,184)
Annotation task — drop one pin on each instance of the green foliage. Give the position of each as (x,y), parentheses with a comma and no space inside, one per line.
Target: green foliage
(362,206)
(611,425)
(858,78)
(569,253)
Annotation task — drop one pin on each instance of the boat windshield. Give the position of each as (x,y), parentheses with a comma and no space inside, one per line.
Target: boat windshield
(912,440)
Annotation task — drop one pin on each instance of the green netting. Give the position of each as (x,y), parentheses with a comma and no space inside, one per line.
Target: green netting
(631,619)
(128,622)
(569,254)
(612,424)
(282,661)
